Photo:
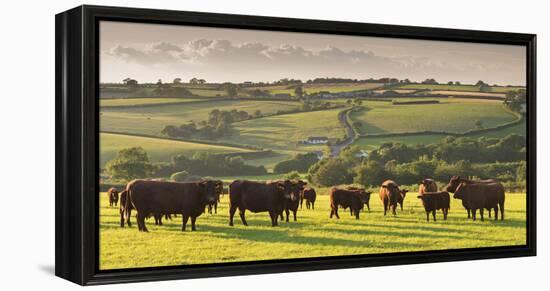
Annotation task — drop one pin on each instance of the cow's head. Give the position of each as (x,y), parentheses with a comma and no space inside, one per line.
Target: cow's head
(365,195)
(403,193)
(293,189)
(426,182)
(461,191)
(211,190)
(453,184)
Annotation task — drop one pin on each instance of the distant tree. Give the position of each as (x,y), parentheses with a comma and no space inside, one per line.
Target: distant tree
(406,81)
(450,83)
(332,172)
(130,83)
(430,82)
(130,163)
(358,102)
(457,83)
(230,89)
(201,81)
(484,88)
(194,81)
(298,92)
(371,174)
(294,175)
(257,113)
(177,81)
(349,101)
(480,83)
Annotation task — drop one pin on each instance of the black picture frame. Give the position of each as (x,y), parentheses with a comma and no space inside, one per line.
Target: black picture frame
(77,163)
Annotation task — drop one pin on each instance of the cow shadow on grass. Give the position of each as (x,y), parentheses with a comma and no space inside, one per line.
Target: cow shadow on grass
(282,236)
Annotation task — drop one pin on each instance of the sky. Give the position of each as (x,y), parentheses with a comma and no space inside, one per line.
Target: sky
(148,52)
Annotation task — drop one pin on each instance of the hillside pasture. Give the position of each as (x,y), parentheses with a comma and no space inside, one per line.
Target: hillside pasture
(128,102)
(469,88)
(283,132)
(453,116)
(316,88)
(159,150)
(152,119)
(313,235)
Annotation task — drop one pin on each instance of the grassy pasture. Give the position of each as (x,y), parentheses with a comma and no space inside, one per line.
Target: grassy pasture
(204,92)
(123,102)
(151,120)
(313,235)
(449,116)
(159,150)
(315,88)
(283,132)
(471,88)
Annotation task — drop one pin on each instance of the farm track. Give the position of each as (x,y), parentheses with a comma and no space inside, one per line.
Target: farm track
(351,135)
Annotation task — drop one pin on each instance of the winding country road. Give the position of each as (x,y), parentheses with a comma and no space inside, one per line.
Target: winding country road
(350,133)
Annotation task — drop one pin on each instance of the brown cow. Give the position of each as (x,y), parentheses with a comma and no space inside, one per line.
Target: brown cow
(214,205)
(310,196)
(122,208)
(112,193)
(482,196)
(345,199)
(365,196)
(258,197)
(433,201)
(427,185)
(294,189)
(159,198)
(456,180)
(390,196)
(401,198)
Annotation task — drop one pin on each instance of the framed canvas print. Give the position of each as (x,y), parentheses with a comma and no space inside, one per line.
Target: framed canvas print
(198,145)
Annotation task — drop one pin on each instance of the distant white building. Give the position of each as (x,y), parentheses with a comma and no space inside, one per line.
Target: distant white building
(316,140)
(362,154)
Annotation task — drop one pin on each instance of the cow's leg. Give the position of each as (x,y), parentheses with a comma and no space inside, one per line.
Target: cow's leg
(274,216)
(445,211)
(184,219)
(401,204)
(468,210)
(141,222)
(216,208)
(394,207)
(368,206)
(294,212)
(312,205)
(385,207)
(489,210)
(193,220)
(336,212)
(350,211)
(241,214)
(287,213)
(121,218)
(427,216)
(501,205)
(232,209)
(331,212)
(302,201)
(356,213)
(433,214)
(496,212)
(129,216)
(160,219)
(474,213)
(481,210)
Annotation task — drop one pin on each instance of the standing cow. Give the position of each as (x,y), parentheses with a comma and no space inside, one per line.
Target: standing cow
(214,205)
(433,201)
(456,180)
(401,198)
(482,196)
(294,190)
(112,193)
(390,195)
(159,197)
(310,196)
(365,195)
(345,198)
(258,197)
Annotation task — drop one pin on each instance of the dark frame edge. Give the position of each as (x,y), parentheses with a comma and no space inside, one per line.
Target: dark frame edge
(76,137)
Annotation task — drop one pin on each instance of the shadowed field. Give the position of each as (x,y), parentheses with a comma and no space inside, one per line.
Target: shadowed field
(313,235)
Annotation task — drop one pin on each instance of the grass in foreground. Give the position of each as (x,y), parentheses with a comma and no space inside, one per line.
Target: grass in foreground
(314,235)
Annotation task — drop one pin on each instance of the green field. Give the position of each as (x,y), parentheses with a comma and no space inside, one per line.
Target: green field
(316,88)
(314,235)
(471,88)
(159,150)
(207,92)
(125,102)
(283,132)
(151,120)
(371,143)
(448,116)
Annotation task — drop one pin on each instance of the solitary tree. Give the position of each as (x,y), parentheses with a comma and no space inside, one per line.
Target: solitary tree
(230,89)
(177,81)
(130,163)
(299,92)
(479,124)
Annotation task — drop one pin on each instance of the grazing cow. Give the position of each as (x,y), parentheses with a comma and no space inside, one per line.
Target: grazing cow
(294,190)
(482,196)
(456,180)
(122,208)
(258,197)
(112,193)
(345,198)
(159,198)
(214,205)
(433,201)
(309,195)
(390,196)
(365,195)
(427,185)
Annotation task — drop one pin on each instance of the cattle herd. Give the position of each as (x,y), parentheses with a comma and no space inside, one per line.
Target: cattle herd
(162,199)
